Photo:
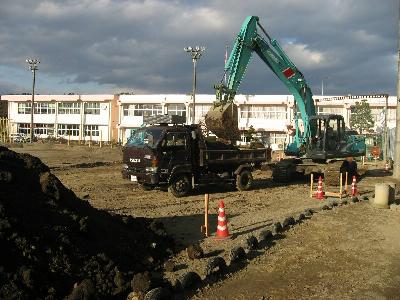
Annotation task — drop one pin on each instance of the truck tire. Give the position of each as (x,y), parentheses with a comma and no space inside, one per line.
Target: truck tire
(180,186)
(244,180)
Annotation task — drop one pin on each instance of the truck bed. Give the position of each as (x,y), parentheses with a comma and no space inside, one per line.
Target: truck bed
(235,156)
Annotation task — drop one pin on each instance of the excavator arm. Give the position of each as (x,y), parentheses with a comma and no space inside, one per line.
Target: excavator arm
(271,53)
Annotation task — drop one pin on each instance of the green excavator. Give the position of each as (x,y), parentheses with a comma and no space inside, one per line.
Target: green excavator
(323,143)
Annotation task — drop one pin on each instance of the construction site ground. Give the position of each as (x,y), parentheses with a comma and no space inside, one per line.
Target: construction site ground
(348,252)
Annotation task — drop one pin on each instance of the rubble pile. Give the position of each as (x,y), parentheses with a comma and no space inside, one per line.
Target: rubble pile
(54,245)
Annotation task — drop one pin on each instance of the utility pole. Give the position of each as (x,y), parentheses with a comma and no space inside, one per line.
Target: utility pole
(33,67)
(195,53)
(396,158)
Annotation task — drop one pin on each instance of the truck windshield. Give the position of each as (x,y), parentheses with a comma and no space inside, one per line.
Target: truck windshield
(145,137)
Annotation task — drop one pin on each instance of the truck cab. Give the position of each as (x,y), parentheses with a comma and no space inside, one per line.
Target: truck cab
(156,155)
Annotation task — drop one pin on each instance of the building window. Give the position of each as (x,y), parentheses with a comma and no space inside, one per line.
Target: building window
(45,129)
(177,109)
(68,129)
(263,112)
(24,108)
(39,129)
(91,130)
(325,110)
(69,108)
(43,108)
(201,111)
(142,109)
(128,109)
(277,138)
(92,108)
(24,128)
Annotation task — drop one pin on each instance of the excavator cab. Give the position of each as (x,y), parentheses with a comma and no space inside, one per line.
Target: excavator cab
(329,139)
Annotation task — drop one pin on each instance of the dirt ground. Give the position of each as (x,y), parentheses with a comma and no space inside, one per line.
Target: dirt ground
(348,252)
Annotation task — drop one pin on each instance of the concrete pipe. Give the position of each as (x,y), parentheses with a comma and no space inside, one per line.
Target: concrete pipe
(381,199)
(392,192)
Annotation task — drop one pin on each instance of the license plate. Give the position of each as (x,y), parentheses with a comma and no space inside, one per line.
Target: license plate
(133,178)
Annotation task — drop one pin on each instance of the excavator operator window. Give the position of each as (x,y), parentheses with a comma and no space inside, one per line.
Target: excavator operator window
(318,138)
(332,134)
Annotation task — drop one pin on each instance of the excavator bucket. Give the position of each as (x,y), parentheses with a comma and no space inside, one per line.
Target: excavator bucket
(223,121)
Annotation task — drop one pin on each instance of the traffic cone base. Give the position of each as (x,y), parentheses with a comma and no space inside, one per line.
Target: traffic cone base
(222,227)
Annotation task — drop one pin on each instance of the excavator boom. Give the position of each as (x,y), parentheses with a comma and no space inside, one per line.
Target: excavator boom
(220,118)
(323,137)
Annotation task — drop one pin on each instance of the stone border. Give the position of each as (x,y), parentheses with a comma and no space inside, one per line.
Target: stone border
(217,266)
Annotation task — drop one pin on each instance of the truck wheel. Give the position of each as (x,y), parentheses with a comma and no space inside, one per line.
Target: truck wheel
(244,180)
(180,186)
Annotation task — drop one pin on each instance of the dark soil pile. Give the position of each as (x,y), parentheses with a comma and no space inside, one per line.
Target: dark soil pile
(54,245)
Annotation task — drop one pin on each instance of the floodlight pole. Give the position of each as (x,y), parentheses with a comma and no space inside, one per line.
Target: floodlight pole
(396,158)
(195,53)
(33,67)
(385,132)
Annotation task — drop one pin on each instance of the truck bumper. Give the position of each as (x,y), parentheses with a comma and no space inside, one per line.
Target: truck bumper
(149,178)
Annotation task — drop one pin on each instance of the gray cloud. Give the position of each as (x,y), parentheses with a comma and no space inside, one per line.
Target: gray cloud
(116,45)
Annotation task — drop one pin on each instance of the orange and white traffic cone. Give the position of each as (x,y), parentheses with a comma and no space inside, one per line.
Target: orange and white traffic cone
(320,193)
(222,228)
(354,186)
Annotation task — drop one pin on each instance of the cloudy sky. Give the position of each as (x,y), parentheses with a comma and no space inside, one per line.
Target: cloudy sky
(113,46)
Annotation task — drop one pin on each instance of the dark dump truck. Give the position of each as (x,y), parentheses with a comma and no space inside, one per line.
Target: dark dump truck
(168,154)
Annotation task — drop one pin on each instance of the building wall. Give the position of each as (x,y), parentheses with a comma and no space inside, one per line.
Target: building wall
(269,115)
(88,118)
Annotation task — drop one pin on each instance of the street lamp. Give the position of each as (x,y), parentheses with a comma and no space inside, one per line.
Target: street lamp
(33,62)
(195,53)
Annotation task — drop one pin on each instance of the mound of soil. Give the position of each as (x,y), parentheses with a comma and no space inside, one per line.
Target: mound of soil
(54,245)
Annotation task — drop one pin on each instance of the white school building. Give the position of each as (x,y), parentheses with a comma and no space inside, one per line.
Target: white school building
(112,117)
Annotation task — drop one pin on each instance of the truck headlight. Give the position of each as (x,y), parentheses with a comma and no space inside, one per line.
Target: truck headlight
(125,166)
(151,169)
